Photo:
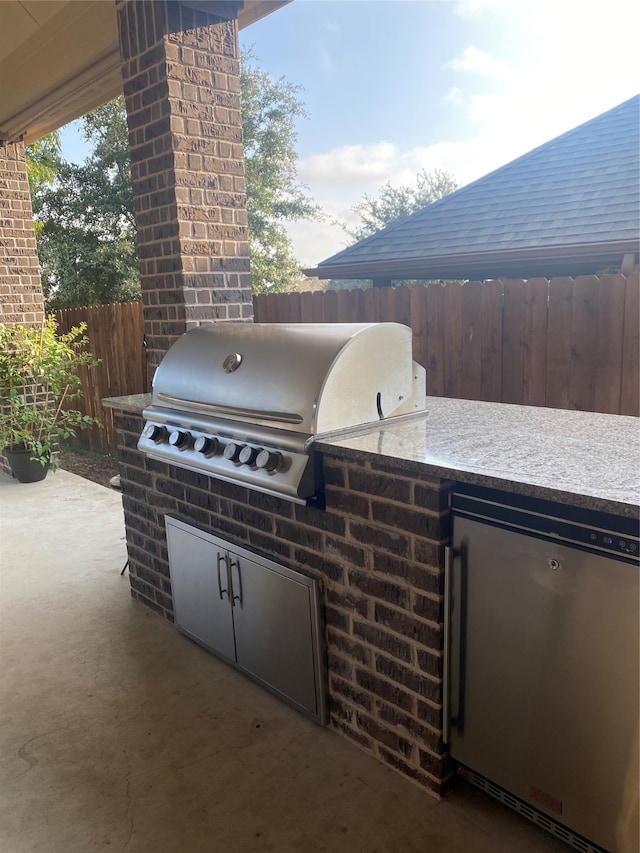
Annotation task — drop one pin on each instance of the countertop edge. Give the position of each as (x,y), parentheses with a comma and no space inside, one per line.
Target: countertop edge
(462,475)
(132,403)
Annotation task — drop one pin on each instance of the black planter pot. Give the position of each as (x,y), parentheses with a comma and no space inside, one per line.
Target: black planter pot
(23,468)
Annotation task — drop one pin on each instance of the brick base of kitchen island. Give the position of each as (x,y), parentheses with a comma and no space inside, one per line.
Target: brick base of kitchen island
(377,549)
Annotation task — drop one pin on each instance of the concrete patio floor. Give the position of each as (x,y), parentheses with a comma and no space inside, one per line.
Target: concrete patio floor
(118,733)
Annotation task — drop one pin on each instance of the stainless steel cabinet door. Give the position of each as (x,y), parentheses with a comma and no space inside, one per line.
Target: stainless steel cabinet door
(272,620)
(200,590)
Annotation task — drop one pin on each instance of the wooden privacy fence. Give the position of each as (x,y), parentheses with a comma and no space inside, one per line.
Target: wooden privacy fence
(116,337)
(565,343)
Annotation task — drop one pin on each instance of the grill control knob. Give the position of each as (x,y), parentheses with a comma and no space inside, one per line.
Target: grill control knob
(179,439)
(206,445)
(248,454)
(232,451)
(269,460)
(154,432)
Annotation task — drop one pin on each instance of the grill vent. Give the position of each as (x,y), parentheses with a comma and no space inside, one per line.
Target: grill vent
(541,820)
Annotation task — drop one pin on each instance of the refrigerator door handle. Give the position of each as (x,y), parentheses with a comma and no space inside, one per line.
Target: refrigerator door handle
(458,634)
(454,631)
(446,656)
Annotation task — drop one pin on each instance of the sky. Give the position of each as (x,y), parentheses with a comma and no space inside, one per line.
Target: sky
(392,87)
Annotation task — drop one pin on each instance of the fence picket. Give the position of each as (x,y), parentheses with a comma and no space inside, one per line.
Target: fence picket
(319,313)
(294,307)
(560,308)
(608,377)
(357,311)
(402,307)
(258,308)
(452,331)
(344,305)
(491,353)
(534,370)
(331,306)
(419,323)
(434,321)
(583,344)
(306,307)
(630,395)
(370,305)
(513,341)
(472,340)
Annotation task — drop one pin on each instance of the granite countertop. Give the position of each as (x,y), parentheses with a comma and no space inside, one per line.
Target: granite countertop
(133,403)
(588,459)
(584,458)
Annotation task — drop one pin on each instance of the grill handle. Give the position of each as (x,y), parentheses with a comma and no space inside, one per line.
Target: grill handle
(236,583)
(222,558)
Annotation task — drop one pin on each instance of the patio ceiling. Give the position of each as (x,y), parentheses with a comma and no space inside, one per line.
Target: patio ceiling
(61,58)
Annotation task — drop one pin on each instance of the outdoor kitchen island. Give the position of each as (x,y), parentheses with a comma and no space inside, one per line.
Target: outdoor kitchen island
(378,545)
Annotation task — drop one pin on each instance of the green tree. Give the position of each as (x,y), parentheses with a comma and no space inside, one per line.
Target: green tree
(43,161)
(269,110)
(87,237)
(394,203)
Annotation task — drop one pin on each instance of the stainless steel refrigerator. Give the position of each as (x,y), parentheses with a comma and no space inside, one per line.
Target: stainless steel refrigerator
(542,662)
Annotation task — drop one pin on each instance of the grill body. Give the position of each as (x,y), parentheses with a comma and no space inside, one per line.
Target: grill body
(244,402)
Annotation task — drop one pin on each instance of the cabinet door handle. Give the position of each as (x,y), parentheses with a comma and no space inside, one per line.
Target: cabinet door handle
(236,583)
(222,558)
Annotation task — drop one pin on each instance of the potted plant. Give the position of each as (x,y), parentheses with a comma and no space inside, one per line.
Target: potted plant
(39,375)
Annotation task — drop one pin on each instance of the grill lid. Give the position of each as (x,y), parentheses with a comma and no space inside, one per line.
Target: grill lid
(306,377)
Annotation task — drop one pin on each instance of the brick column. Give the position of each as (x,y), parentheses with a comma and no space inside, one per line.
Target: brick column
(180,70)
(21,299)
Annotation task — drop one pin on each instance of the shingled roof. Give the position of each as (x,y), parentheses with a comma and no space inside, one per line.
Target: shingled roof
(569,207)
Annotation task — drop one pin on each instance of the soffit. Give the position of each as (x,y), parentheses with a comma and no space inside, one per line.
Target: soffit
(61,58)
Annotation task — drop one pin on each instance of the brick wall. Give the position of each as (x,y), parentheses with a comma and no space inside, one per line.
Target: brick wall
(182,91)
(21,299)
(378,550)
(20,287)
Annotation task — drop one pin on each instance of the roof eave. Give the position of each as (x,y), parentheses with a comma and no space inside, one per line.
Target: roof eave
(480,264)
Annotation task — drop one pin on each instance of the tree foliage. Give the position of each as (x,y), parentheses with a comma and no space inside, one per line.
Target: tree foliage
(87,238)
(394,203)
(269,110)
(86,232)
(43,162)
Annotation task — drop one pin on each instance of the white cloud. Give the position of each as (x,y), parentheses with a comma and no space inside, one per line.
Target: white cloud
(369,166)
(480,62)
(315,241)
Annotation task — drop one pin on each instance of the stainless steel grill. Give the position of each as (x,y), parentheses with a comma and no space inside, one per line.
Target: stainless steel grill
(244,402)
